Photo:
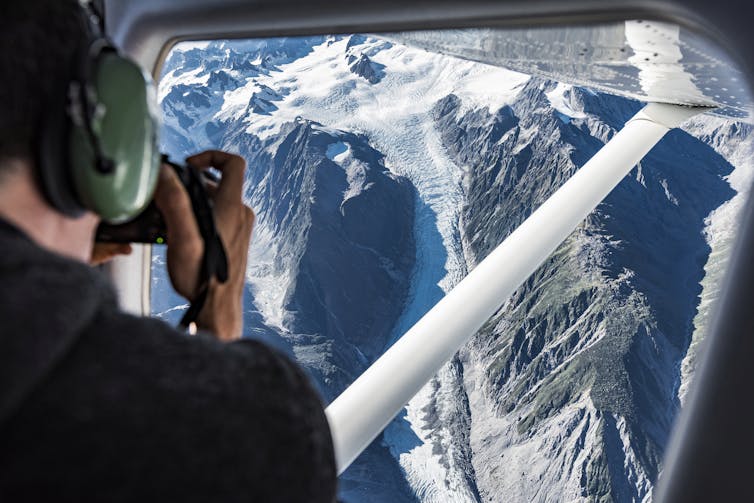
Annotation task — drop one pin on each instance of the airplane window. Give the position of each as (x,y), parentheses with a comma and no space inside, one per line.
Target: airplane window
(383,168)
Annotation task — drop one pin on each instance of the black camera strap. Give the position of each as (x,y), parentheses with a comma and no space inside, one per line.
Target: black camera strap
(215,261)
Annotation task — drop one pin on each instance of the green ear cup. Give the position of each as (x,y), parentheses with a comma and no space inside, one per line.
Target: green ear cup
(126,122)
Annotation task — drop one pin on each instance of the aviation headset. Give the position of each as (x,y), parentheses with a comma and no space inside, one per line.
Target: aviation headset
(97,146)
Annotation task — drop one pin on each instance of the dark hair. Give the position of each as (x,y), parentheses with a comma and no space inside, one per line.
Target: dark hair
(38,43)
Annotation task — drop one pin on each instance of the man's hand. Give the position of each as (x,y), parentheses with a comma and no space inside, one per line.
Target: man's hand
(105,252)
(222,313)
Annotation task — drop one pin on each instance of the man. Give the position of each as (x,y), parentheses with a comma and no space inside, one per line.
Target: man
(98,405)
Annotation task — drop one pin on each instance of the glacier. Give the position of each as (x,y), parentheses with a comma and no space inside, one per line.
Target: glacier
(381,174)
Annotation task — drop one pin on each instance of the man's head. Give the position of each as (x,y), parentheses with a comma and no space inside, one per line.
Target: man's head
(80,114)
(38,43)
(77,128)
(39,40)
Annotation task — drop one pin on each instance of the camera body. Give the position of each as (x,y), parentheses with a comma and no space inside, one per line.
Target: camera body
(149,226)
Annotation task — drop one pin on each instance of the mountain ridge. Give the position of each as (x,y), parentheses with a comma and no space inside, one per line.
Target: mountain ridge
(571,389)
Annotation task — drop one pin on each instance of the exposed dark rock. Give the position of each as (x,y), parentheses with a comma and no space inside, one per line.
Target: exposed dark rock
(606,319)
(362,66)
(627,279)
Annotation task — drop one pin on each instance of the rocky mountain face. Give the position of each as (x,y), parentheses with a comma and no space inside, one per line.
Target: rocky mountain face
(380,175)
(583,360)
(333,246)
(343,224)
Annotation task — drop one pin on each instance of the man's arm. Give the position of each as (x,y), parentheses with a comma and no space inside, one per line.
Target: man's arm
(222,312)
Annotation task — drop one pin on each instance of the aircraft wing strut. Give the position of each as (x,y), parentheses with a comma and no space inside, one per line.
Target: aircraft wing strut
(365,408)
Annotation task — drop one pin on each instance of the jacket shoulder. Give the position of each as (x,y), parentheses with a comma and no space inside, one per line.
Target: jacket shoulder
(203,420)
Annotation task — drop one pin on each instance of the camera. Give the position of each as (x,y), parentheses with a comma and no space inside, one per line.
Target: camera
(149,225)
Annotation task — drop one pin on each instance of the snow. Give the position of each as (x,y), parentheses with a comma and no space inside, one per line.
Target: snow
(198,76)
(180,308)
(722,227)
(561,104)
(235,101)
(189,46)
(637,478)
(395,114)
(529,467)
(321,87)
(268,283)
(337,151)
(341,154)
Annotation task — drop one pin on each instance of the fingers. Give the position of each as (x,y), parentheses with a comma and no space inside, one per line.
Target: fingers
(251,217)
(211,188)
(186,246)
(222,313)
(170,193)
(233,167)
(104,252)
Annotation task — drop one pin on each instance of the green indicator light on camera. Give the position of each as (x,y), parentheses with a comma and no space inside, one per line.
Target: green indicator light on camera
(160,241)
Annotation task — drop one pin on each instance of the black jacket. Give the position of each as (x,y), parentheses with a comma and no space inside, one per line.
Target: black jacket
(98,405)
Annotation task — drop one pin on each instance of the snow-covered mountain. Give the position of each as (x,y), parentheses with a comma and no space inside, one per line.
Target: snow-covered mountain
(381,174)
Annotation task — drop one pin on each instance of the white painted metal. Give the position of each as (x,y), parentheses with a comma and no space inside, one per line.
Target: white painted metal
(644,60)
(130,275)
(363,410)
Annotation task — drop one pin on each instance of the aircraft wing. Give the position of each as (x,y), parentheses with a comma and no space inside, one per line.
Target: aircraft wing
(644,60)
